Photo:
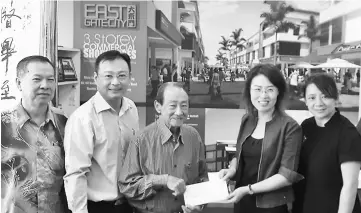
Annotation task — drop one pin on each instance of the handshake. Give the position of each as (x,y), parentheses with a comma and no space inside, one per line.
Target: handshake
(176,185)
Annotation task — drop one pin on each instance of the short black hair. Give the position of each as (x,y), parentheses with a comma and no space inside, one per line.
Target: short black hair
(22,66)
(275,76)
(111,55)
(325,83)
(160,94)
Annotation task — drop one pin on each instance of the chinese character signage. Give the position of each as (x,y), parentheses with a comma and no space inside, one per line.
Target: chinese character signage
(19,37)
(114,25)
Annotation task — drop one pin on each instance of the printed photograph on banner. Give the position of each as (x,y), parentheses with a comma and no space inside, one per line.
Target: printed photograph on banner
(196,119)
(122,29)
(229,90)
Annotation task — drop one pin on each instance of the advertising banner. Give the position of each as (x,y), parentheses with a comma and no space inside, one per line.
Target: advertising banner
(111,25)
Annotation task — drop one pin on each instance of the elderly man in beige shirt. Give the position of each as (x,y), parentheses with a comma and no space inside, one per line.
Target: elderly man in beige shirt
(166,157)
(97,136)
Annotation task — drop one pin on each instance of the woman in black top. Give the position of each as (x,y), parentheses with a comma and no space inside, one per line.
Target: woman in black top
(330,155)
(268,147)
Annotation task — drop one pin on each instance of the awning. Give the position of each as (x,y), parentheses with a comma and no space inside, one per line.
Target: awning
(313,58)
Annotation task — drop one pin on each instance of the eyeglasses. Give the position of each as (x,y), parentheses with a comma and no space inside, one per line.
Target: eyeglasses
(120,77)
(268,91)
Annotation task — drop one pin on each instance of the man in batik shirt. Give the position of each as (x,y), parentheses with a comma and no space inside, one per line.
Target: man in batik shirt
(32,155)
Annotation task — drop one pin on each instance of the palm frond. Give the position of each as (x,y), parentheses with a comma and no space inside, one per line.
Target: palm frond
(266,15)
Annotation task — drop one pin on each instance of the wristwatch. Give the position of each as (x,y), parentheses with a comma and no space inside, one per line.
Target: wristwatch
(250,191)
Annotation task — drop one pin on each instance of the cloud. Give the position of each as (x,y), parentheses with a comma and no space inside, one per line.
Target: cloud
(215,9)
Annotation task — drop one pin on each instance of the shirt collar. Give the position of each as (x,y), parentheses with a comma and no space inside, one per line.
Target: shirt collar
(23,116)
(125,106)
(101,104)
(334,119)
(166,133)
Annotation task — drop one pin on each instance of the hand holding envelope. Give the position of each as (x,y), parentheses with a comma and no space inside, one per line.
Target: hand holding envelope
(213,191)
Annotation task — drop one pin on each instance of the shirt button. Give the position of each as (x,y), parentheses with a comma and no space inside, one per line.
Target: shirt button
(175,198)
(175,166)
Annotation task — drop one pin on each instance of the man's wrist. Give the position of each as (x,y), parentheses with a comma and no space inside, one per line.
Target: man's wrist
(160,180)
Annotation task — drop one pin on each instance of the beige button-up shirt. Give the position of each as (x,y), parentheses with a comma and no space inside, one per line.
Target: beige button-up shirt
(96,141)
(156,154)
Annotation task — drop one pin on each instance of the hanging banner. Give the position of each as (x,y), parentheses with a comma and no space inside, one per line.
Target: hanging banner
(118,25)
(19,24)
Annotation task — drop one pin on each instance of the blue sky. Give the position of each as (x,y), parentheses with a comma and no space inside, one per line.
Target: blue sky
(219,18)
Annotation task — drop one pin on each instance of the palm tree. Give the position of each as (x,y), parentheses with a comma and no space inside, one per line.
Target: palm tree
(220,57)
(275,18)
(225,45)
(236,40)
(311,31)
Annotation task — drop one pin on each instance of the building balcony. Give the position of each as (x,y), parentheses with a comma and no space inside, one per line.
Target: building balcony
(287,37)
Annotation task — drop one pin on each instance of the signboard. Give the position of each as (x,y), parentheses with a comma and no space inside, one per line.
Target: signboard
(167,28)
(347,48)
(114,25)
(19,24)
(110,15)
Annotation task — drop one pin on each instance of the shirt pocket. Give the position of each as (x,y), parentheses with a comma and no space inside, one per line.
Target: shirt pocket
(190,172)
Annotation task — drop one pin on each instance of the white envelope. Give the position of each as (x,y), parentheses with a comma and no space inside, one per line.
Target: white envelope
(207,192)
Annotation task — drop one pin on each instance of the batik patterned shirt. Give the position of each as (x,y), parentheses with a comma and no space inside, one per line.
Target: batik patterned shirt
(32,162)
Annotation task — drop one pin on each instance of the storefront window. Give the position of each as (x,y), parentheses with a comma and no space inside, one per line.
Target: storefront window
(272,49)
(336,30)
(296,31)
(324,34)
(289,48)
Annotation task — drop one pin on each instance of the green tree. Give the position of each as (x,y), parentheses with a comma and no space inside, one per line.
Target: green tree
(275,19)
(237,40)
(220,57)
(225,46)
(311,31)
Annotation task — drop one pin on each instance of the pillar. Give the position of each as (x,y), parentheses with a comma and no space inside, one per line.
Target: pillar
(152,55)
(193,66)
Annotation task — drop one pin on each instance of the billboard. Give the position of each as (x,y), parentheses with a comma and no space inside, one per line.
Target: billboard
(112,25)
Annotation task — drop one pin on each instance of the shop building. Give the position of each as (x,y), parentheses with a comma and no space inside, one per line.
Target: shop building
(191,53)
(261,47)
(340,34)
